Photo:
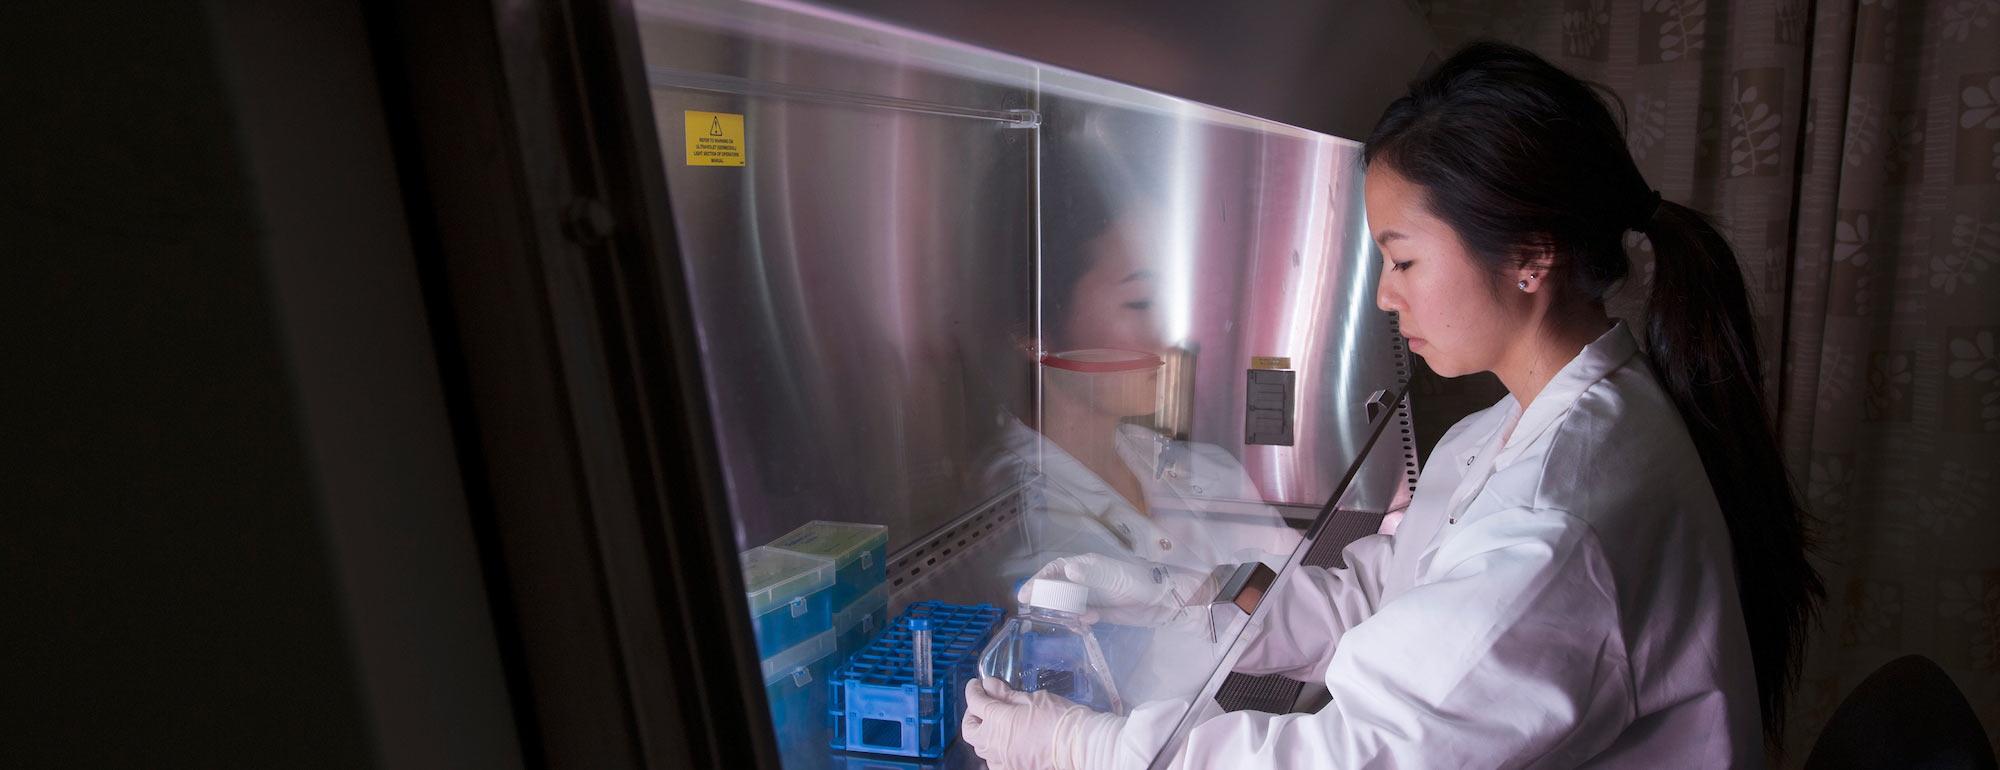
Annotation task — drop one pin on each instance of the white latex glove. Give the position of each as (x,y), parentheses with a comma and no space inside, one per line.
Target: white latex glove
(1015,730)
(1129,593)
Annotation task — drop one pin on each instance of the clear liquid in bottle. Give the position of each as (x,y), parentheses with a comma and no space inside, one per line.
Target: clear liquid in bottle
(1047,646)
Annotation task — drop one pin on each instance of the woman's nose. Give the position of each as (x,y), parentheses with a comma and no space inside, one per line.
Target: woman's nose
(1385,300)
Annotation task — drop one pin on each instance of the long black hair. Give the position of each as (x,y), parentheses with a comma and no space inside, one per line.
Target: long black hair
(1520,157)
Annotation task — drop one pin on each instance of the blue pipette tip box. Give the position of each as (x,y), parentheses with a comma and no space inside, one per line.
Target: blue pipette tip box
(875,703)
(857,623)
(859,552)
(790,597)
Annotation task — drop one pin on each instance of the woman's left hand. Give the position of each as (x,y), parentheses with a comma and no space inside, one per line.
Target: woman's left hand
(1015,730)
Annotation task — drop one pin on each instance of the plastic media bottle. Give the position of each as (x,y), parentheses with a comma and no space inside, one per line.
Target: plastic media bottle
(1047,646)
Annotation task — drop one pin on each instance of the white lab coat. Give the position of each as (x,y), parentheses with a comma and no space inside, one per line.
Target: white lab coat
(1560,594)
(1204,508)
(1204,512)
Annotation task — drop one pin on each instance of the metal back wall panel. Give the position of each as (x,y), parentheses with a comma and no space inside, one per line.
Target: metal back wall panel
(916,220)
(1254,242)
(856,282)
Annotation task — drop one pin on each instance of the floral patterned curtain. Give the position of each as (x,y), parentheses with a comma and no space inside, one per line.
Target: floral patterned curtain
(1851,151)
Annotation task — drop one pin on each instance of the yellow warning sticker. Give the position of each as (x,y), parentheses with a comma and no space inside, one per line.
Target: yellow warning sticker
(1270,362)
(715,139)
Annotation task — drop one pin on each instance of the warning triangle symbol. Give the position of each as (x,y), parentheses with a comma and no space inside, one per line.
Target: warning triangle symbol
(715,126)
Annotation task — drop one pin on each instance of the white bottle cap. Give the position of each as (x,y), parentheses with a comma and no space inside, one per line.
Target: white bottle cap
(1058,595)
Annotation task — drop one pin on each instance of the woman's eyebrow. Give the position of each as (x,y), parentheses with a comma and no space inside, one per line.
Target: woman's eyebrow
(1136,275)
(1386,237)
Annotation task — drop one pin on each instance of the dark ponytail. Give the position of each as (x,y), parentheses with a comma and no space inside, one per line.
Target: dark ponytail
(1703,344)
(1520,157)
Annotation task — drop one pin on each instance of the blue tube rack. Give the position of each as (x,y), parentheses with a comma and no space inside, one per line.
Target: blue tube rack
(876,706)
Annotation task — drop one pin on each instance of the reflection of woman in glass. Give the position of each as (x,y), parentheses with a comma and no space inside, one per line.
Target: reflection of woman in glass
(1137,517)
(1102,343)
(1112,484)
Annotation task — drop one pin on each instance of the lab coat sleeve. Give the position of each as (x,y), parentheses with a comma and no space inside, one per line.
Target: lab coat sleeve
(1509,655)
(1314,607)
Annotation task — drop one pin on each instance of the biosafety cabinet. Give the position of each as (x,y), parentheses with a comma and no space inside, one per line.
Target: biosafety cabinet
(854,331)
(961,315)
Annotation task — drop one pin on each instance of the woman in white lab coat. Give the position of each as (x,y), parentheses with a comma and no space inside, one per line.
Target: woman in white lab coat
(1112,494)
(1109,482)
(1605,568)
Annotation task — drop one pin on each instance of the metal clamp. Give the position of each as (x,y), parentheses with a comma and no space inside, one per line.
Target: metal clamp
(1243,585)
(1377,403)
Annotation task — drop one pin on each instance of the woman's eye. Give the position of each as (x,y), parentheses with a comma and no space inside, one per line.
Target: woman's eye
(1400,265)
(1140,304)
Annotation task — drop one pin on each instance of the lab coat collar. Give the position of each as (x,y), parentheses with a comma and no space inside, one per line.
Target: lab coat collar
(1141,449)
(1056,463)
(1469,450)
(1599,359)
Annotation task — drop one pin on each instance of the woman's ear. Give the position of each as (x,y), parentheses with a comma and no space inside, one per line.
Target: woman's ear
(1532,266)
(1024,344)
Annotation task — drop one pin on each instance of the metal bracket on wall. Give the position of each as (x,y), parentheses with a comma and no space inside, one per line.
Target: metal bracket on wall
(1269,403)
(1377,402)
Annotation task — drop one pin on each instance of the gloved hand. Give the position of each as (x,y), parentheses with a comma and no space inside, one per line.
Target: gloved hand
(1130,593)
(1015,730)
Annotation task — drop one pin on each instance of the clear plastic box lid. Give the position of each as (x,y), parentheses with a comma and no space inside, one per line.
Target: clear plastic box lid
(798,656)
(840,541)
(860,607)
(772,577)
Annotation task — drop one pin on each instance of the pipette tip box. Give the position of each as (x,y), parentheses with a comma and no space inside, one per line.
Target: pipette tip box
(858,622)
(795,685)
(790,596)
(859,553)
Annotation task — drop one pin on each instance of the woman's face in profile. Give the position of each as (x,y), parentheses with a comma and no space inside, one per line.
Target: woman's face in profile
(1113,305)
(1452,308)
